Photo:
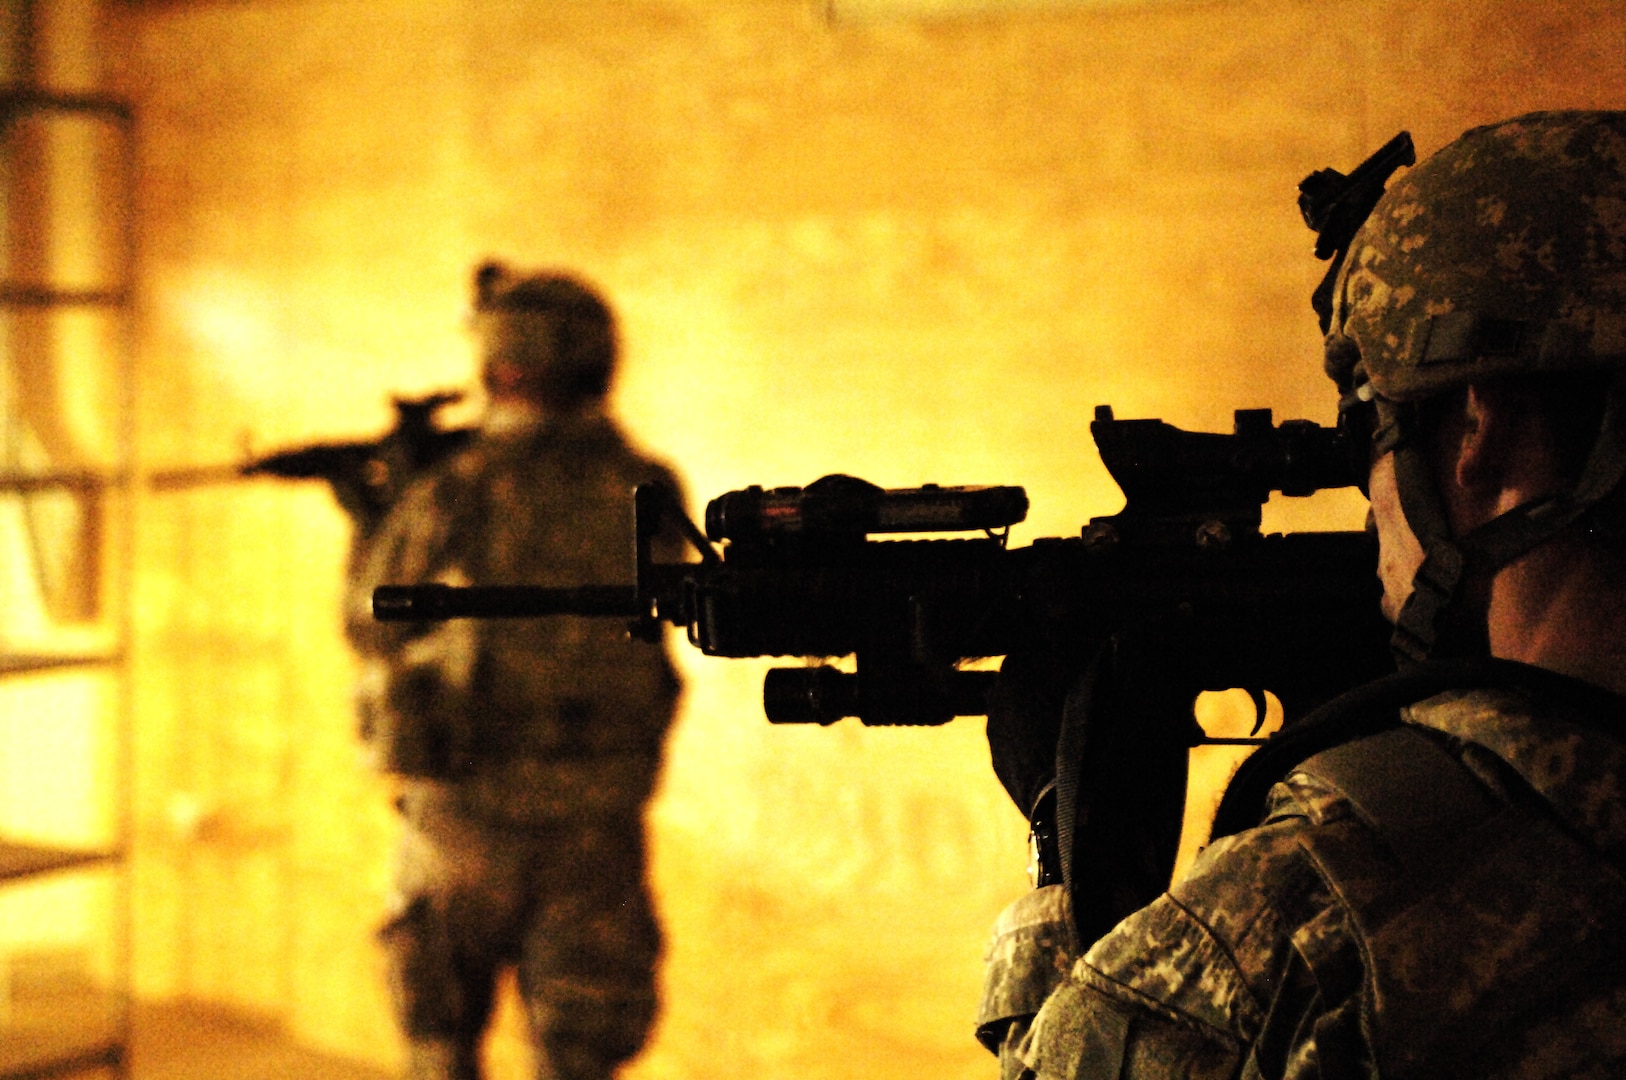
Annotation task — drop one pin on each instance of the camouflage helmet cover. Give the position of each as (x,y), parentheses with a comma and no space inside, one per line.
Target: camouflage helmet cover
(578,326)
(1504,253)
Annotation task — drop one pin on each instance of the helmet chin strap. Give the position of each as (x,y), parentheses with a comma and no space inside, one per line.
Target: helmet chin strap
(1436,620)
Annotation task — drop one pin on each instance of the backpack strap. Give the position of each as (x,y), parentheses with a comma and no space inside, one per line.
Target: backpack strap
(1470,911)
(1409,789)
(1365,710)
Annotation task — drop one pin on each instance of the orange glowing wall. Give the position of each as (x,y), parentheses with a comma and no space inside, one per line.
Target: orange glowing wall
(907,249)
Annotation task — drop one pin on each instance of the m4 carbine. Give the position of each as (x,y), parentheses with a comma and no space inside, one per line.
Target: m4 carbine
(795,572)
(368,477)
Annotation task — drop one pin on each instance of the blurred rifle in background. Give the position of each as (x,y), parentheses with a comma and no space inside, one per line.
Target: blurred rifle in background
(367,477)
(62,509)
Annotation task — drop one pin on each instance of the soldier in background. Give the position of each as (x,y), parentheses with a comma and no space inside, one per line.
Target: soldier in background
(1439,887)
(527,749)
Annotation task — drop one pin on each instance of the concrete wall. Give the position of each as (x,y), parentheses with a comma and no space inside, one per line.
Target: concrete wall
(911,250)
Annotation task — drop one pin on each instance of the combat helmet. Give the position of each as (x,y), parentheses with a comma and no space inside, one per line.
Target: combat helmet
(1503,254)
(574,330)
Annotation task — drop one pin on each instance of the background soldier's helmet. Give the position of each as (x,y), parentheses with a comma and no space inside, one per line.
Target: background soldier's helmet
(583,349)
(1504,253)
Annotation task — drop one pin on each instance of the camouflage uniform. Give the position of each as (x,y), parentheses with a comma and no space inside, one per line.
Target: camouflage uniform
(528,747)
(1296,950)
(1034,945)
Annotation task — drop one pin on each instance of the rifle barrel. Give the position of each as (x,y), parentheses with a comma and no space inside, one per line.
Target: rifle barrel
(405,603)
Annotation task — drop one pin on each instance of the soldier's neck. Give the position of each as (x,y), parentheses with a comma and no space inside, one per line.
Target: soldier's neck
(1563,607)
(507,417)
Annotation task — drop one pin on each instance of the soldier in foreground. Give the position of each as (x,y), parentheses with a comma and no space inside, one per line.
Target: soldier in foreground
(526,750)
(1437,888)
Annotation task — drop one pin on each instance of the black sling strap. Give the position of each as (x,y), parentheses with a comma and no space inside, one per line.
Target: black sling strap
(1366,710)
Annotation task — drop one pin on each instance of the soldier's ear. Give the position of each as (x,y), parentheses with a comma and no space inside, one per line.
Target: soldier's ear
(1497,442)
